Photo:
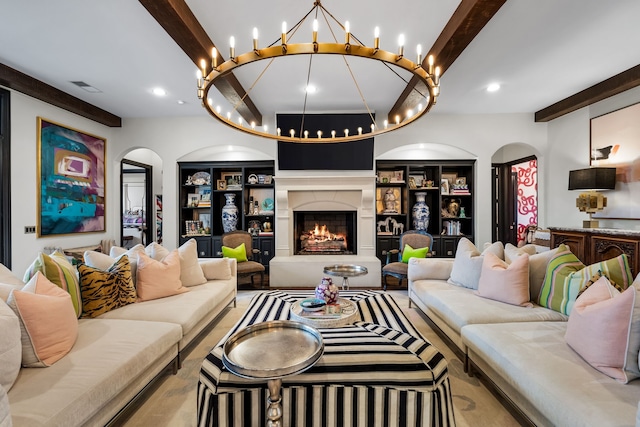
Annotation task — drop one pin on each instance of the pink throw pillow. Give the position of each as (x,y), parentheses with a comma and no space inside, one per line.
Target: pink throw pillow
(48,322)
(505,282)
(158,279)
(604,329)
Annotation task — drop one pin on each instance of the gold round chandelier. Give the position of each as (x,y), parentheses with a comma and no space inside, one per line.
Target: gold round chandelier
(352,47)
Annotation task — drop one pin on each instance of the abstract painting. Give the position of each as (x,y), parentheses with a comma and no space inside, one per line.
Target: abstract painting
(71,180)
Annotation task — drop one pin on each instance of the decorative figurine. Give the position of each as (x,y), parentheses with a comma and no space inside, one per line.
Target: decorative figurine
(327,291)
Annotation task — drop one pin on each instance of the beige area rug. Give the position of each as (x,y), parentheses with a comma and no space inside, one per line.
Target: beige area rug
(173,402)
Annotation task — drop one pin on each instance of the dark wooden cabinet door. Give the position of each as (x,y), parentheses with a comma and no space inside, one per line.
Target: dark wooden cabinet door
(605,247)
(576,242)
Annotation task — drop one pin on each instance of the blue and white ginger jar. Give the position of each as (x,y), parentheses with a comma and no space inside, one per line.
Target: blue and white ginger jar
(229,213)
(420,213)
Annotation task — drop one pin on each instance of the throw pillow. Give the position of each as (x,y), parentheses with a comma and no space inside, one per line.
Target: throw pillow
(8,282)
(511,252)
(190,271)
(566,275)
(409,252)
(505,282)
(594,279)
(48,322)
(239,253)
(156,251)
(58,270)
(158,279)
(604,329)
(537,266)
(216,268)
(467,263)
(103,291)
(10,347)
(104,262)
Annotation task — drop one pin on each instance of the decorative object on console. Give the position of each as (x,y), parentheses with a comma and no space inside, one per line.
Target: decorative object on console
(327,291)
(592,180)
(428,78)
(252,179)
(229,213)
(420,212)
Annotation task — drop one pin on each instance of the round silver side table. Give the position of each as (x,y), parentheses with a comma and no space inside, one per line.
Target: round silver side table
(271,351)
(346,271)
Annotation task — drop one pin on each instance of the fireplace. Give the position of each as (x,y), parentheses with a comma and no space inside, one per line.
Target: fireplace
(325,232)
(351,195)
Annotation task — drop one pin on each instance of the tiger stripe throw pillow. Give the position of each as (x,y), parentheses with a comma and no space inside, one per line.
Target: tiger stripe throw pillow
(103,291)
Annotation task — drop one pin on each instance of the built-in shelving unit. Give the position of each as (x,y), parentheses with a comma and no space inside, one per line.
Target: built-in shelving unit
(447,187)
(202,189)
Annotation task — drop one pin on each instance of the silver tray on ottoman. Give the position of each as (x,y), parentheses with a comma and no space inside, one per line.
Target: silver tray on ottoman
(272,349)
(348,314)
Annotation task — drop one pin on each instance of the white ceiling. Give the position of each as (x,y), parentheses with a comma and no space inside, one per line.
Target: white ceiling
(539,51)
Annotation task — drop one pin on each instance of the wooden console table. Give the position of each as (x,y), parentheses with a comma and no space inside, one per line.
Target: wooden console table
(593,245)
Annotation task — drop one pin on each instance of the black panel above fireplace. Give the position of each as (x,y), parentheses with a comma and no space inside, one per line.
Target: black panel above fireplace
(325,232)
(357,155)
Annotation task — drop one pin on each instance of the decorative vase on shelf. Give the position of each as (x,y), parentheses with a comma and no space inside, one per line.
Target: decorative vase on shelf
(229,213)
(327,291)
(420,212)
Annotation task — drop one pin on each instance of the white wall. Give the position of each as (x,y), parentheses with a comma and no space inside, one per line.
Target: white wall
(24,190)
(568,149)
(563,145)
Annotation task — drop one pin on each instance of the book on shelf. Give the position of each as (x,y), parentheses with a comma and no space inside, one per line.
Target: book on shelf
(265,233)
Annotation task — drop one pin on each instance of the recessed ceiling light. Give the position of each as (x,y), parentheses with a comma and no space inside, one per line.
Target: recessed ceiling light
(493,87)
(311,89)
(181,102)
(158,91)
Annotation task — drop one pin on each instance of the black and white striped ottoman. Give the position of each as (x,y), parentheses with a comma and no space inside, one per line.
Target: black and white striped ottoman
(377,372)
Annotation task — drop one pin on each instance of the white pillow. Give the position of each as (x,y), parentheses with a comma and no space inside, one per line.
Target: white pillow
(511,252)
(8,282)
(10,347)
(216,268)
(467,264)
(537,266)
(191,273)
(104,262)
(156,251)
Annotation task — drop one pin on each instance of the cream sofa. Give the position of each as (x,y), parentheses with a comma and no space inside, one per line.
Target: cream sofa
(521,351)
(114,358)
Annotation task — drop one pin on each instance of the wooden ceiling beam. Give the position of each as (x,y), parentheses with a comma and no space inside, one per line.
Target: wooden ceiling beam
(612,86)
(18,81)
(183,27)
(466,22)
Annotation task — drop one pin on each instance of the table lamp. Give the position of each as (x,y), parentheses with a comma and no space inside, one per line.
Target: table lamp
(592,180)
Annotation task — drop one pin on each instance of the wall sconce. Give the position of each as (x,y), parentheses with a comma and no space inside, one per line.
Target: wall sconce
(592,180)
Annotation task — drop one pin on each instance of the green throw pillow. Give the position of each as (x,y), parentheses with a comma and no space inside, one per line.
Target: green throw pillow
(239,253)
(57,268)
(566,275)
(409,252)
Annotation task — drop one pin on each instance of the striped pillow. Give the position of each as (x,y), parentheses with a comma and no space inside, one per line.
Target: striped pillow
(59,271)
(566,275)
(104,291)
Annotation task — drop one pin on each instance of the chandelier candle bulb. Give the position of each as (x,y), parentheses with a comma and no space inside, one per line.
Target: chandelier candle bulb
(333,134)
(253,125)
(359,131)
(376,38)
(319,134)
(232,47)
(400,46)
(228,116)
(199,77)
(214,58)
(385,124)
(346,132)
(284,32)
(292,133)
(419,53)
(306,134)
(430,70)
(278,131)
(315,31)
(373,127)
(436,79)
(255,38)
(203,65)
(265,128)
(347,33)
(397,119)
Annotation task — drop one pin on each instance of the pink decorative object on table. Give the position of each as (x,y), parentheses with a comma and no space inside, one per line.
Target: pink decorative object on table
(327,291)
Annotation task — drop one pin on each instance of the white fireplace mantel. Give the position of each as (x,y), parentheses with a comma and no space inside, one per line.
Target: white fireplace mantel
(331,193)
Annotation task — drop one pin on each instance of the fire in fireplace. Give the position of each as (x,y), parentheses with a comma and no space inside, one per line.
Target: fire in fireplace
(324,233)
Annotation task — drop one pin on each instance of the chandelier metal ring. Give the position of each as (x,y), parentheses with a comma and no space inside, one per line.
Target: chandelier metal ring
(428,78)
